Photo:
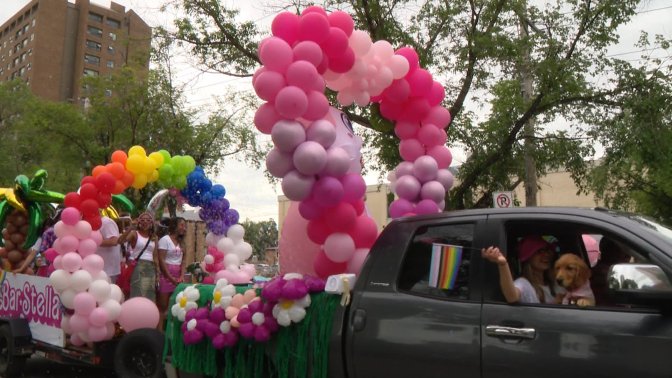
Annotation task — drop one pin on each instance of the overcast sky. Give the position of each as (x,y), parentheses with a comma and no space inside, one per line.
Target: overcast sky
(247,189)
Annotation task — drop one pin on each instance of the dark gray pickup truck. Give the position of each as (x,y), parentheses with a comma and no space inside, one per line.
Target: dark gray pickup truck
(400,325)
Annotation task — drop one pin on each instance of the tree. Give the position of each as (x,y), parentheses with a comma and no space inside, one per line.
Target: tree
(261,235)
(474,47)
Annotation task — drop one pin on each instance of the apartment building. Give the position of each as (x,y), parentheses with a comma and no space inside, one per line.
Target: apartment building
(53,44)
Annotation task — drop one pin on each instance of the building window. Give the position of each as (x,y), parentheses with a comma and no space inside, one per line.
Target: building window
(22,71)
(110,49)
(23,56)
(113,23)
(25,28)
(110,64)
(90,72)
(108,93)
(24,43)
(93,45)
(34,22)
(92,59)
(95,17)
(113,36)
(32,36)
(98,32)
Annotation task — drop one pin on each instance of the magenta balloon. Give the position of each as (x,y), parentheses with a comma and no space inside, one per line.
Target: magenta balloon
(438,116)
(338,162)
(400,207)
(276,54)
(412,57)
(291,102)
(70,216)
(324,267)
(279,163)
(318,105)
(407,187)
(308,51)
(342,63)
(303,74)
(431,136)
(398,91)
(268,84)
(436,94)
(314,27)
(390,109)
(403,168)
(322,132)
(411,149)
(426,206)
(354,187)
(425,168)
(324,64)
(445,177)
(365,231)
(341,218)
(309,158)
(314,9)
(265,117)
(256,74)
(297,186)
(357,260)
(336,42)
(287,135)
(286,26)
(415,109)
(420,81)
(310,209)
(442,156)
(339,247)
(406,129)
(433,190)
(328,191)
(317,231)
(342,20)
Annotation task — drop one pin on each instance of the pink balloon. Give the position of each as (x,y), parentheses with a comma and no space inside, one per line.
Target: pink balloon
(342,20)
(291,102)
(209,280)
(310,158)
(425,168)
(407,187)
(365,231)
(415,110)
(83,304)
(328,191)
(297,186)
(442,156)
(296,251)
(324,267)
(322,132)
(276,54)
(354,187)
(426,207)
(342,63)
(318,106)
(406,129)
(50,254)
(226,274)
(342,217)
(138,312)
(391,110)
(265,117)
(70,216)
(339,247)
(97,237)
(398,91)
(431,136)
(317,231)
(87,247)
(93,264)
(287,135)
(357,260)
(304,75)
(324,64)
(404,168)
(98,317)
(268,84)
(433,190)
(256,74)
(420,81)
(336,42)
(308,51)
(314,9)
(314,27)
(439,116)
(240,277)
(445,177)
(98,333)
(79,323)
(57,262)
(310,209)
(82,230)
(286,26)
(71,261)
(279,163)
(436,94)
(411,149)
(68,243)
(412,57)
(338,162)
(76,340)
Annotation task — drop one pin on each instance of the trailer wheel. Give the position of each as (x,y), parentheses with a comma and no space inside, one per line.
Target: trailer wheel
(11,365)
(139,354)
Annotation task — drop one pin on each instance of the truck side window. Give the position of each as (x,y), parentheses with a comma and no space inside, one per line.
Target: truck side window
(437,261)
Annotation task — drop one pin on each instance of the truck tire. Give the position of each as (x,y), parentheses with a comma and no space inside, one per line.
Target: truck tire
(11,365)
(139,354)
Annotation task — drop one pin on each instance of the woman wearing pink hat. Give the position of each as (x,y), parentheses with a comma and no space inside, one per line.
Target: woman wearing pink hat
(534,286)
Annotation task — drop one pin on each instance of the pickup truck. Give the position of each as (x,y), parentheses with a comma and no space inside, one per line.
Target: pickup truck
(400,325)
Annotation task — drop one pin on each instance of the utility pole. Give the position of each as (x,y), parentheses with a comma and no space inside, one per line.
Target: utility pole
(527,89)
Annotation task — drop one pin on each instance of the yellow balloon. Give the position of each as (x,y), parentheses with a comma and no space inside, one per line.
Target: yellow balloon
(153,176)
(135,164)
(137,150)
(148,166)
(110,212)
(157,158)
(8,193)
(139,181)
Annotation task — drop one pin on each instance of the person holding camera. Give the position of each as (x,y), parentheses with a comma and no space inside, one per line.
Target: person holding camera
(142,243)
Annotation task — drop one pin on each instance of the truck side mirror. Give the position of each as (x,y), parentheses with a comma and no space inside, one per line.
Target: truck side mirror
(640,283)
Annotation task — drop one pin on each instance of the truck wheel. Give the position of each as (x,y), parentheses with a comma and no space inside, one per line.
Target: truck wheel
(10,364)
(139,354)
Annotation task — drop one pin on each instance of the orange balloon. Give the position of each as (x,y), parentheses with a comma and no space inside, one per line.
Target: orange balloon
(128,178)
(119,187)
(98,169)
(119,156)
(116,169)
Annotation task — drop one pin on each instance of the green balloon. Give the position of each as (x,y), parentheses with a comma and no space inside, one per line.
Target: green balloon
(166,171)
(35,219)
(166,156)
(5,209)
(120,201)
(180,182)
(190,163)
(38,179)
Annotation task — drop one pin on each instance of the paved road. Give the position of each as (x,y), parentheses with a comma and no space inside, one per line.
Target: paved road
(38,367)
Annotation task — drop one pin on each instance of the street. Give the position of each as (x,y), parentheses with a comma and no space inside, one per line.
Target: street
(38,367)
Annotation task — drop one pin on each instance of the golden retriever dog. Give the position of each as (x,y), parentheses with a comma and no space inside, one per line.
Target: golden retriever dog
(573,274)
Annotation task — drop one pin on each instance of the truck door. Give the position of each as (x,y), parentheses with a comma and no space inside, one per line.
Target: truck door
(405,324)
(557,341)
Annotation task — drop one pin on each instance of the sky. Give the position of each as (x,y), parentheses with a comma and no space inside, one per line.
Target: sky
(247,189)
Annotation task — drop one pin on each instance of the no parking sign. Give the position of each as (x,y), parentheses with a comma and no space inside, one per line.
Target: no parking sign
(502,199)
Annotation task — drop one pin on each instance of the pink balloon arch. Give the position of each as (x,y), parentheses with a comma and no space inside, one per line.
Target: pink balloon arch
(316,153)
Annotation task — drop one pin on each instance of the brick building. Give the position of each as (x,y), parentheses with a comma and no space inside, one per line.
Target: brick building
(53,44)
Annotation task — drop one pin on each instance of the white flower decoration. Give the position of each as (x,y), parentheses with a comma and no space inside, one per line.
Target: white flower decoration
(288,311)
(185,301)
(222,294)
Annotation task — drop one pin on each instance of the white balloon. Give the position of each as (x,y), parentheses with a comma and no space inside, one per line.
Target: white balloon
(80,280)
(60,280)
(236,233)
(113,309)
(211,239)
(116,293)
(209,259)
(101,290)
(243,250)
(68,298)
(225,245)
(101,276)
(231,259)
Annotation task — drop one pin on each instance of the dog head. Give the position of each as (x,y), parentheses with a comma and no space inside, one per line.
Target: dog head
(571,272)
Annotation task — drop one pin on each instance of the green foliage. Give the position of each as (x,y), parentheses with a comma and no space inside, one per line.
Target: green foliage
(261,235)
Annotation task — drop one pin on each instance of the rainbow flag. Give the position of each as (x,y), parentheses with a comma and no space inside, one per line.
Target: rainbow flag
(446,260)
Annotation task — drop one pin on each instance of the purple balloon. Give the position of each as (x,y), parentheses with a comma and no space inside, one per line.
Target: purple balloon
(404,168)
(433,190)
(400,207)
(338,162)
(322,132)
(354,187)
(426,207)
(407,187)
(278,163)
(328,191)
(287,135)
(232,217)
(445,177)
(294,289)
(310,209)
(425,168)
(310,158)
(297,186)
